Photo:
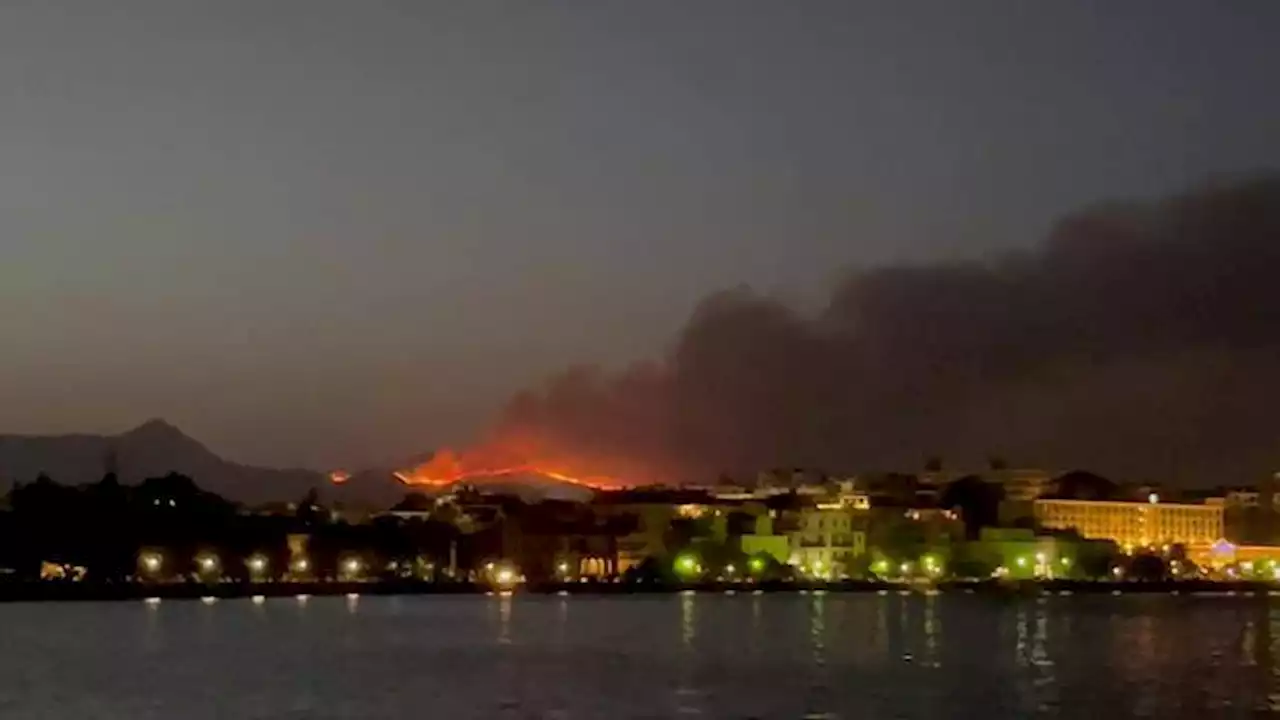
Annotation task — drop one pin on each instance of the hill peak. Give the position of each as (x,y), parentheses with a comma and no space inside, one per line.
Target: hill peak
(156,428)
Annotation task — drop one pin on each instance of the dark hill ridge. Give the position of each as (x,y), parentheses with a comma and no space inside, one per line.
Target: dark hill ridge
(156,448)
(151,449)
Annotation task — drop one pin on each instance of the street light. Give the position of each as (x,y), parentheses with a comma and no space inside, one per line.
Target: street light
(151,562)
(257,565)
(687,565)
(208,563)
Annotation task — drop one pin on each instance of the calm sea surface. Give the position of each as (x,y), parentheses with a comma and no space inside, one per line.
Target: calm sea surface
(708,656)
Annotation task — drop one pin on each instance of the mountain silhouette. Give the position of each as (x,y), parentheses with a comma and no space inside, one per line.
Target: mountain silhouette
(152,449)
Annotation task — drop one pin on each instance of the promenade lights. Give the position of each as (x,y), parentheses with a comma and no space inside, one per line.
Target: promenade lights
(756,565)
(257,565)
(151,562)
(931,565)
(687,566)
(351,567)
(207,563)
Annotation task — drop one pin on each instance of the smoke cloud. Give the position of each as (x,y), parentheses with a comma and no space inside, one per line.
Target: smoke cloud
(1140,340)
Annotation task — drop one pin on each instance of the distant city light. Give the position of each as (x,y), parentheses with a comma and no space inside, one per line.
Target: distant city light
(1153,498)
(257,563)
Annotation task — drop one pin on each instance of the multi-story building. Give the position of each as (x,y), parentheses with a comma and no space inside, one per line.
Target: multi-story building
(825,540)
(1135,524)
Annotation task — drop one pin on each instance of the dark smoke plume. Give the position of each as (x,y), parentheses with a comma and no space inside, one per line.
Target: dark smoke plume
(1140,340)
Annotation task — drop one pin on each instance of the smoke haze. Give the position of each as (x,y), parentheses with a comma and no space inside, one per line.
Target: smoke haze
(1139,340)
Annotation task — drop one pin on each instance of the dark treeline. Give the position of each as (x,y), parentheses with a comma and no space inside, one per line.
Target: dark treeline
(106,527)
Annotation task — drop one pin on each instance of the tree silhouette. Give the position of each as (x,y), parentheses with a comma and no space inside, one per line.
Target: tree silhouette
(1083,485)
(977,500)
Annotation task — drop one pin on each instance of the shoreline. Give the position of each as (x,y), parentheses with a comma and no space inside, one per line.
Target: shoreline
(106,592)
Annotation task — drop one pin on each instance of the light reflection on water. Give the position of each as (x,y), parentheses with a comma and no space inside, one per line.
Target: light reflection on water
(705,655)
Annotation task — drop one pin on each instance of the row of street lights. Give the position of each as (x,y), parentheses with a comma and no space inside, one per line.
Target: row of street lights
(209,565)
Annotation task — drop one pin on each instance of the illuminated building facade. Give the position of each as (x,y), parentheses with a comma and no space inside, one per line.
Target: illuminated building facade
(825,540)
(1135,524)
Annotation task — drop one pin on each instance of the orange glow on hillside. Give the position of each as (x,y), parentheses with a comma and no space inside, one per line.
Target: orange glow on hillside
(448,467)
(338,477)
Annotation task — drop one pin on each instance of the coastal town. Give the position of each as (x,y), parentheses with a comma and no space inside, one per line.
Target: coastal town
(783,528)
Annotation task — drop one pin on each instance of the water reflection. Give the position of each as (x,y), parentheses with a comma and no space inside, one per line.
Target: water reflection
(771,656)
(504,618)
(687,695)
(932,632)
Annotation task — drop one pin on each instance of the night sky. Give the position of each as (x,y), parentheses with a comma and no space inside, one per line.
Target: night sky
(336,233)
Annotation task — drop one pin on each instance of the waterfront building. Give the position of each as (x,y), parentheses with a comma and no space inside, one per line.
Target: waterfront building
(1135,524)
(825,541)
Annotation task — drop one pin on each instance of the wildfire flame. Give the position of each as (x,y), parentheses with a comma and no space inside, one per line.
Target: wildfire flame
(338,477)
(448,467)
